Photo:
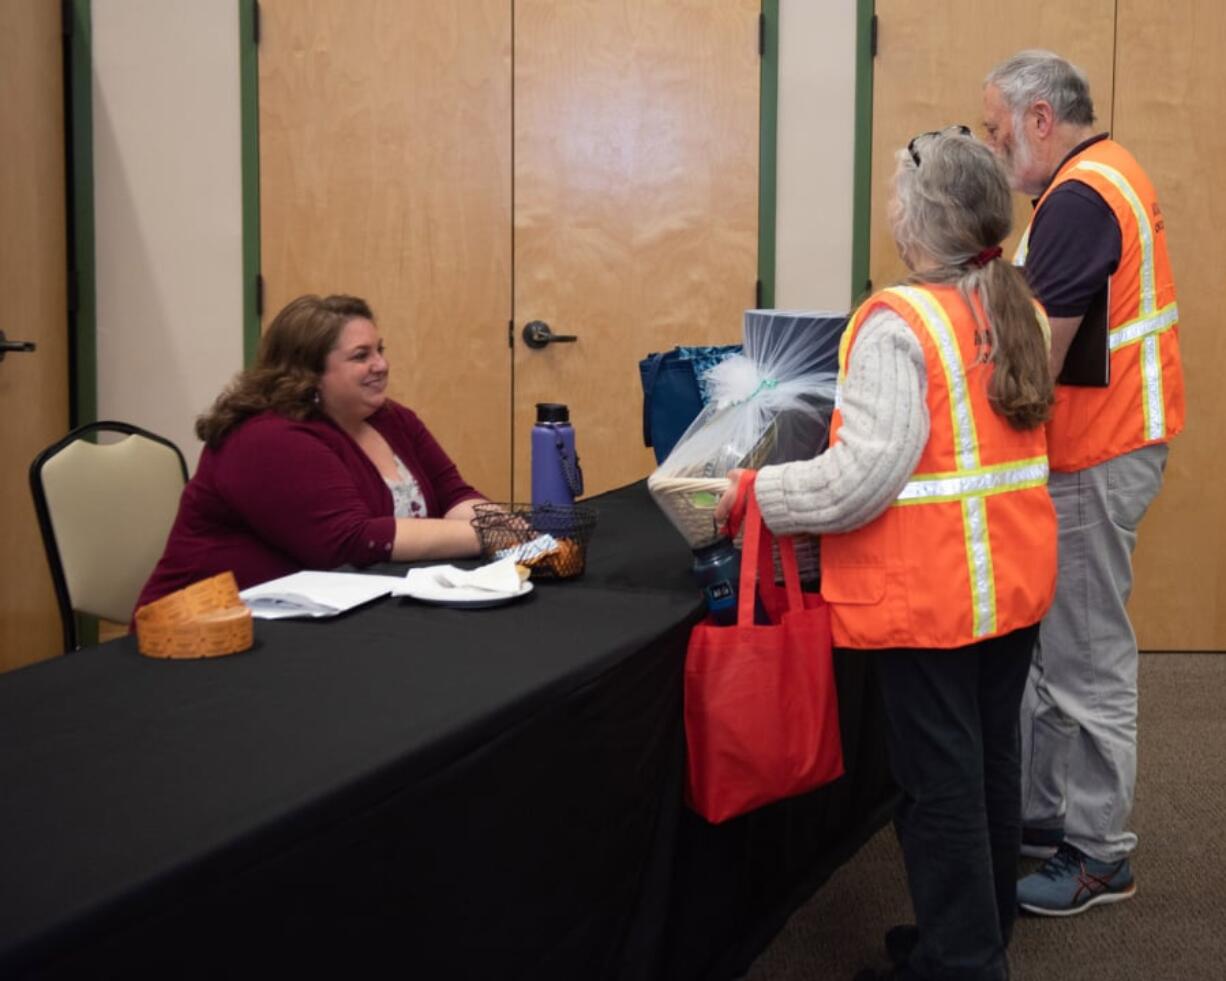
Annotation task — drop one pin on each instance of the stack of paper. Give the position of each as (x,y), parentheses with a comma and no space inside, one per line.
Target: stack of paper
(315,594)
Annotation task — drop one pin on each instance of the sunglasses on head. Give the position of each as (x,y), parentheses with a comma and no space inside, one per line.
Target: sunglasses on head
(961,129)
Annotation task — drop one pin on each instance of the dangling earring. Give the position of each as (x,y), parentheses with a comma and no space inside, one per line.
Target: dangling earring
(315,398)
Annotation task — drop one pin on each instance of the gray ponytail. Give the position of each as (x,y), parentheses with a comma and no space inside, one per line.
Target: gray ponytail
(949,208)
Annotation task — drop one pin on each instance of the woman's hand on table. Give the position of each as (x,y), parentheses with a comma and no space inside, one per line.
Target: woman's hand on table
(724,508)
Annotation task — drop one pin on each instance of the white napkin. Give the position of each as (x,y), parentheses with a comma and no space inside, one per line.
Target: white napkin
(497,577)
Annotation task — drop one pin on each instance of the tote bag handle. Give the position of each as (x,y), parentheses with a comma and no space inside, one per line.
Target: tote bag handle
(756,563)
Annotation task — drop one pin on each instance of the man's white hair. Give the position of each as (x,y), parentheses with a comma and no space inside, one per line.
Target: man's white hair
(1030,76)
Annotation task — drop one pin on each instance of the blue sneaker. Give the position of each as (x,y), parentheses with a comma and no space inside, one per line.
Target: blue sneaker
(1070,882)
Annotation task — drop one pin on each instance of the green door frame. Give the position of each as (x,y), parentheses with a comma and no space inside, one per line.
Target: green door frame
(768,141)
(249,99)
(79,164)
(861,221)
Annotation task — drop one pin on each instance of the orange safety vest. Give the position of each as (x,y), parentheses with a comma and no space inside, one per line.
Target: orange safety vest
(968,550)
(1144,401)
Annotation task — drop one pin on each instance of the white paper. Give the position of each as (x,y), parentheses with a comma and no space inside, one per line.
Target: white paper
(315,594)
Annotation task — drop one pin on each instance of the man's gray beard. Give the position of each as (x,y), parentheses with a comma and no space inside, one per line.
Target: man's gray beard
(1021,158)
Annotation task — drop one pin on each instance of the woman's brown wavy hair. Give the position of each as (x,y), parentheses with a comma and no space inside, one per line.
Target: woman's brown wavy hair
(291,359)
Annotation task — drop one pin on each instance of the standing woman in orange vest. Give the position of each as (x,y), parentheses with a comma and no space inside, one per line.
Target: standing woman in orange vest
(938,549)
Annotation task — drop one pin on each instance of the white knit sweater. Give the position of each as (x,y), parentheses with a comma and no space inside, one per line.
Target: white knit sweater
(884,431)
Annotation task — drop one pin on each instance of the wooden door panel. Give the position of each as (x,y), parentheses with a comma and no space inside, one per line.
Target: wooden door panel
(33,260)
(1166,110)
(931,60)
(385,171)
(636,197)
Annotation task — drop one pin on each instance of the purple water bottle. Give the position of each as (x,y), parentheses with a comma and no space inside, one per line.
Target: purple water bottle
(556,476)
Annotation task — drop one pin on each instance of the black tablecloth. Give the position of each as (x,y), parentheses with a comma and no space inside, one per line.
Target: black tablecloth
(445,793)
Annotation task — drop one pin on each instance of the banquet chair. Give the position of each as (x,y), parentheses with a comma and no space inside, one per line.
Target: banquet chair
(105,511)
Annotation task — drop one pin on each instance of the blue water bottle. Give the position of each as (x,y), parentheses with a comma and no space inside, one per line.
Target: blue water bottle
(717,567)
(556,476)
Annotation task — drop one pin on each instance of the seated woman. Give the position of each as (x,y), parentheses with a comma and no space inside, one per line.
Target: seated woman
(309,465)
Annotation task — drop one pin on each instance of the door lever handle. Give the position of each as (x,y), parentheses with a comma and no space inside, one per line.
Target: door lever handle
(538,335)
(15,346)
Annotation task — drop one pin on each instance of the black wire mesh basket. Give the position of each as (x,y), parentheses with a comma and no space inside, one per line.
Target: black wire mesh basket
(550,540)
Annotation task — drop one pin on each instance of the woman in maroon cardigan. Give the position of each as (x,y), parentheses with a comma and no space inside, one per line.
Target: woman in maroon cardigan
(309,465)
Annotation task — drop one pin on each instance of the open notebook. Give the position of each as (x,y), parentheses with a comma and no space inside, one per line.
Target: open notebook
(315,594)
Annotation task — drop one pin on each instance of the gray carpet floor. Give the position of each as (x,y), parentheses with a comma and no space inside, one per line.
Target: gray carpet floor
(1175,926)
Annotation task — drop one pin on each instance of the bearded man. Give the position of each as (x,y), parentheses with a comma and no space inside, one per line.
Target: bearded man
(1097,240)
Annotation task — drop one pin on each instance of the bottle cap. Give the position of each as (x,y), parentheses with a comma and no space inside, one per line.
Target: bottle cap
(552,412)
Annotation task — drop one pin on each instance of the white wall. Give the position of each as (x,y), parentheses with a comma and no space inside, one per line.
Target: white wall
(168,209)
(816,142)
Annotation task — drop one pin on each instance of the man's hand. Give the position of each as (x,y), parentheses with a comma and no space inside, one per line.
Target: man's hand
(1063,330)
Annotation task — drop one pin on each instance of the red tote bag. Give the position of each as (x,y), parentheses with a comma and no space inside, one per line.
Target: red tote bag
(761,708)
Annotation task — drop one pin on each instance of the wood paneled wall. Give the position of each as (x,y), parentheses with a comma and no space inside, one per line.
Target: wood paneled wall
(1159,84)
(1170,98)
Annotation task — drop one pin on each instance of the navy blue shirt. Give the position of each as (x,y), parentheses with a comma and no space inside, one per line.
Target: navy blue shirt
(1075,245)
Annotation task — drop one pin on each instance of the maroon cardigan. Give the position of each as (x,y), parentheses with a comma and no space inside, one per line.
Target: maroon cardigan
(278,496)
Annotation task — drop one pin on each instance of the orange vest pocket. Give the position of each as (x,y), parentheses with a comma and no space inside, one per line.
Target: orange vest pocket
(853,586)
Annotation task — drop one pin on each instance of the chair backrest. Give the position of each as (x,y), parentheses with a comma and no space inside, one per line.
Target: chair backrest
(105,511)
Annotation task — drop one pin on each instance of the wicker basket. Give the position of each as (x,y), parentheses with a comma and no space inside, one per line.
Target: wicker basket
(205,619)
(519,530)
(689,503)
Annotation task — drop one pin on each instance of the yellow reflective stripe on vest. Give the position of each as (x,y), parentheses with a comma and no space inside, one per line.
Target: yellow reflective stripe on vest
(1149,302)
(1151,321)
(1023,248)
(966,447)
(979,565)
(1144,326)
(934,488)
(1147,331)
(936,322)
(971,489)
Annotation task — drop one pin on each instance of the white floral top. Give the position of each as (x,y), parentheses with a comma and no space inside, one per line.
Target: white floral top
(407,499)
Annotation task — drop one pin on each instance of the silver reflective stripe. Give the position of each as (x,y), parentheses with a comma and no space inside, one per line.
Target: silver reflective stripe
(1149,302)
(966,443)
(979,565)
(1134,330)
(1023,248)
(1151,386)
(1150,322)
(933,488)
(966,446)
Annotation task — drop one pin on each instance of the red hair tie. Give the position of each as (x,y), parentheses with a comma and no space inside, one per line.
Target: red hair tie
(986,256)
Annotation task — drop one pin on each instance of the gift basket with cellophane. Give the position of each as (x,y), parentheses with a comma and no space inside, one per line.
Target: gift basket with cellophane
(770,404)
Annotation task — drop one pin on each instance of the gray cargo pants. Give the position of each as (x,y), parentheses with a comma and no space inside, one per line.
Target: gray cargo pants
(1079,711)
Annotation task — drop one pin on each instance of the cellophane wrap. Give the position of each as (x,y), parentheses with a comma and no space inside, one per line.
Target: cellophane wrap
(770,404)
